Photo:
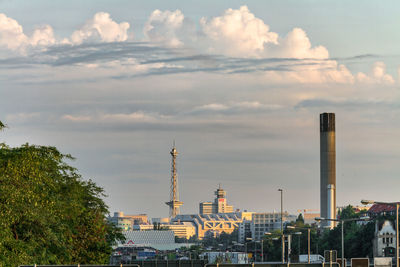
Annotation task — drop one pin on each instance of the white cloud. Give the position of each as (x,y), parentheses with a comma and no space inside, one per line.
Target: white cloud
(377,75)
(138,116)
(11,33)
(135,116)
(242,106)
(101,28)
(164,26)
(12,36)
(398,74)
(211,107)
(314,71)
(73,118)
(237,33)
(297,45)
(22,117)
(249,105)
(43,36)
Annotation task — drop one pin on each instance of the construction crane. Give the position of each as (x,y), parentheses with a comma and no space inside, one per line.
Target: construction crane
(306,210)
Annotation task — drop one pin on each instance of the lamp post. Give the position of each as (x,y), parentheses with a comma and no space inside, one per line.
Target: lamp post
(262,246)
(342,221)
(396,204)
(255,250)
(308,239)
(245,246)
(283,237)
(298,242)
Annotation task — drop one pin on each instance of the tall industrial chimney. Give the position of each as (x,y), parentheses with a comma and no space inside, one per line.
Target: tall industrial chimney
(328,167)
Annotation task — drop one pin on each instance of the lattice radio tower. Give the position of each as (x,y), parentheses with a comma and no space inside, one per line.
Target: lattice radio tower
(174,202)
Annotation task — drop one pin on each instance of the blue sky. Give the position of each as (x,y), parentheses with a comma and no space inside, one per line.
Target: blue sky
(239,86)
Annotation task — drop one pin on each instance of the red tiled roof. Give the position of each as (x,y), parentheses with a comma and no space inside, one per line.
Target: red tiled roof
(378,208)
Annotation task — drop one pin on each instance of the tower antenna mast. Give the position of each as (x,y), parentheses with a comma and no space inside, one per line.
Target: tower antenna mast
(174,203)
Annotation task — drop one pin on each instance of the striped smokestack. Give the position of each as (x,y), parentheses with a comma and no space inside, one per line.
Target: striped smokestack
(328,166)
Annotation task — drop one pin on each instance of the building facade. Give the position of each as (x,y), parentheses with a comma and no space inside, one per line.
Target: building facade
(218,206)
(182,230)
(126,222)
(385,239)
(214,224)
(261,223)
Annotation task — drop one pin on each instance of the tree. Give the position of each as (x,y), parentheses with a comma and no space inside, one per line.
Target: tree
(357,237)
(300,220)
(48,214)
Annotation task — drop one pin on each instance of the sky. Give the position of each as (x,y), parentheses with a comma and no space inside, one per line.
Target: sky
(238,85)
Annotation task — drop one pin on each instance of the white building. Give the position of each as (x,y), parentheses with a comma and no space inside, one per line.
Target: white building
(261,223)
(148,238)
(180,229)
(385,239)
(126,222)
(158,239)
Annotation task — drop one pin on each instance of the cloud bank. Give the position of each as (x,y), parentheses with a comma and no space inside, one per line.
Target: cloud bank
(234,42)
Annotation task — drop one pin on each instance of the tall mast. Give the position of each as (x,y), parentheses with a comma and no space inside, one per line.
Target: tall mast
(174,203)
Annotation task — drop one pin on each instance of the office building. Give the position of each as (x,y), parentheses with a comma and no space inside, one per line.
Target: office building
(260,223)
(180,229)
(126,222)
(218,206)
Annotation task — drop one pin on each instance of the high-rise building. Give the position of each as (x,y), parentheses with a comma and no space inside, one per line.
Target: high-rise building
(218,206)
(260,223)
(328,168)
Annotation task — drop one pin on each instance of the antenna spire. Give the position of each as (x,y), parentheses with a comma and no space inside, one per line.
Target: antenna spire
(174,203)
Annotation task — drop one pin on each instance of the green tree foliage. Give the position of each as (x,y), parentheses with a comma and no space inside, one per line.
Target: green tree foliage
(272,246)
(357,237)
(300,220)
(48,214)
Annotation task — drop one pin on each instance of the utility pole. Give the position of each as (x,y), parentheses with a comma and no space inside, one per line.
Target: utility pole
(283,236)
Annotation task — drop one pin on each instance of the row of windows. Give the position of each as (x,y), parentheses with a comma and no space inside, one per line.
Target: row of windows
(387,240)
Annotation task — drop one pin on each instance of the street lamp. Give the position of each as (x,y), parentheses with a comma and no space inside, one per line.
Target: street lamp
(298,242)
(396,204)
(342,221)
(308,230)
(245,246)
(262,246)
(283,237)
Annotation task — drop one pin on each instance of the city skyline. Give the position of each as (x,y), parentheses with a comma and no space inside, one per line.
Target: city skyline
(239,85)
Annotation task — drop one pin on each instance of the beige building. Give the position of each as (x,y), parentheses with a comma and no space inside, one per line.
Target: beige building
(126,222)
(181,230)
(218,206)
(214,224)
